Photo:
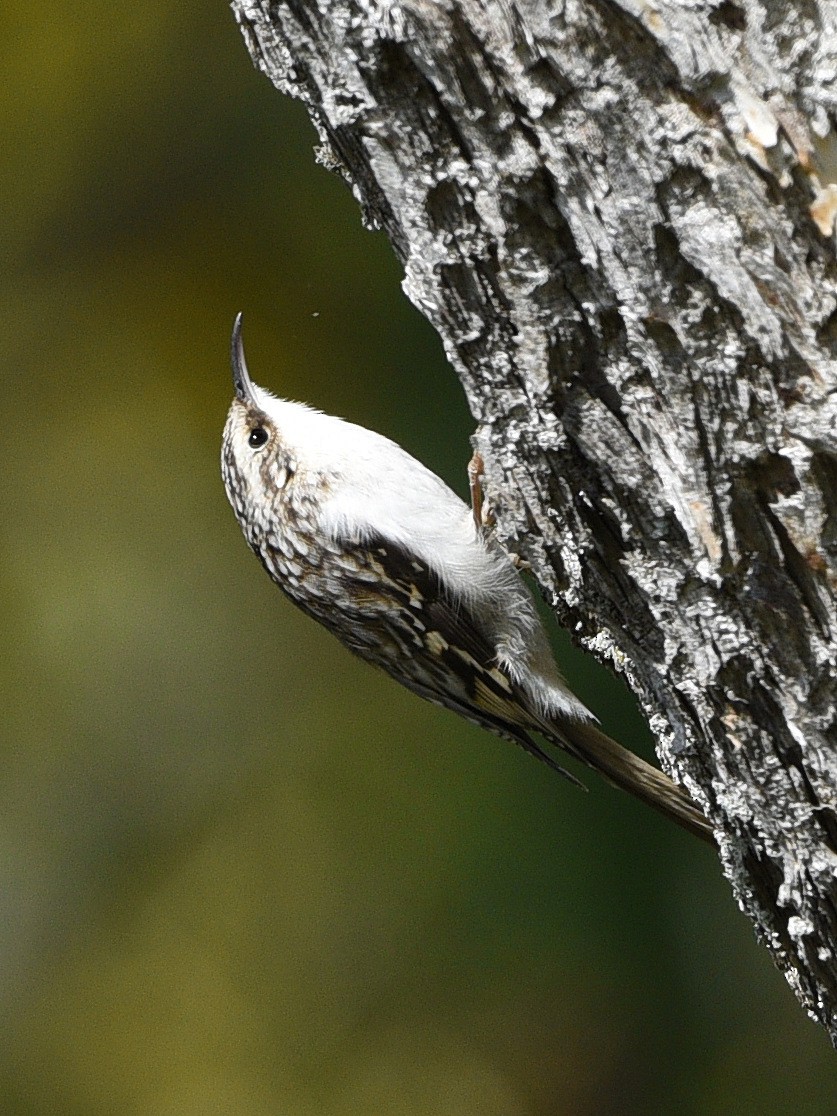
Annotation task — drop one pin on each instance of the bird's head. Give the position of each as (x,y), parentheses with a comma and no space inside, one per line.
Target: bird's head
(257,459)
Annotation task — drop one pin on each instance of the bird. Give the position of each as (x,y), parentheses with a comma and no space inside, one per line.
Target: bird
(368,541)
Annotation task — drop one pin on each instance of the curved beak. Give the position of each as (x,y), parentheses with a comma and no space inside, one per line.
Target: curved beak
(241,377)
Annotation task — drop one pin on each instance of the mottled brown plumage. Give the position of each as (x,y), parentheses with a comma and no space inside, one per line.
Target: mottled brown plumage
(375,547)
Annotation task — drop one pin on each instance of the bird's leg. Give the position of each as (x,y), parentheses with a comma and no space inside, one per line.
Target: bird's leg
(483,519)
(483,516)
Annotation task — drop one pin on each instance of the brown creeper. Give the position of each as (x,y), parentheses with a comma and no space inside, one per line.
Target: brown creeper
(365,539)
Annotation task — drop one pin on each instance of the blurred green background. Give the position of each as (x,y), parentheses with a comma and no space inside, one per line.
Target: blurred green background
(239,871)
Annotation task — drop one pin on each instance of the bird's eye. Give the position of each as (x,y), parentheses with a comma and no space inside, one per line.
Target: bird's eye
(258,437)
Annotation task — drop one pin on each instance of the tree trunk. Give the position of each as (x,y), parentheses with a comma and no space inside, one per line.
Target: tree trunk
(619,216)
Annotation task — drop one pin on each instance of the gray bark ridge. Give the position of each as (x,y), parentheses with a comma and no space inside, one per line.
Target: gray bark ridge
(619,216)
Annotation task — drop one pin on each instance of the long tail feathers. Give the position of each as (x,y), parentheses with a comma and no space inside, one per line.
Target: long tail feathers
(631,773)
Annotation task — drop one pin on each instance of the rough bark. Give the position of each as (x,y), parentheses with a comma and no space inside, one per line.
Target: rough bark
(619,216)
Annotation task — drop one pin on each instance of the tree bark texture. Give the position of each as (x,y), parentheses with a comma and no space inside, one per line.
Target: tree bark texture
(619,215)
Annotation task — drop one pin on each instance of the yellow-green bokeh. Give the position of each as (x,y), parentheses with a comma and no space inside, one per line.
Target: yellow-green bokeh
(241,873)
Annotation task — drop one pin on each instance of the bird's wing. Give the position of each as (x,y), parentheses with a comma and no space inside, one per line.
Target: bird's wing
(458,669)
(434,646)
